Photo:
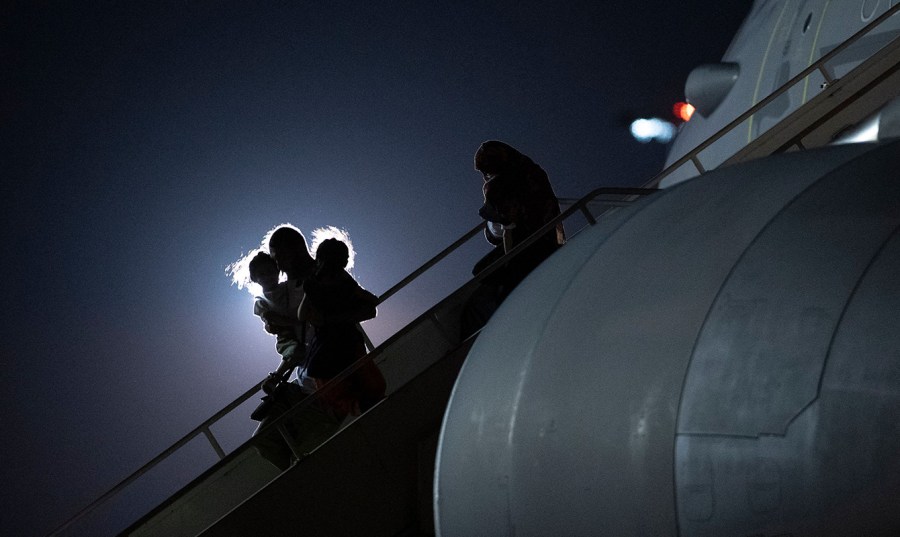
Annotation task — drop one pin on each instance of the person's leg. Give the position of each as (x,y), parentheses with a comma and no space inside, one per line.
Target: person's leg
(478,309)
(271,446)
(369,384)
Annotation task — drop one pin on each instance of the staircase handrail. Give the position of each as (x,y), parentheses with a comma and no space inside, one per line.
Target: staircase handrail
(204,427)
(818,65)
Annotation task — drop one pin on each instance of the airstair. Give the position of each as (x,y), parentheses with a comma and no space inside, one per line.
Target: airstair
(374,475)
(871,87)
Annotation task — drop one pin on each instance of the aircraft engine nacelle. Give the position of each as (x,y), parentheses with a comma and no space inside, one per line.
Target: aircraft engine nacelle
(722,358)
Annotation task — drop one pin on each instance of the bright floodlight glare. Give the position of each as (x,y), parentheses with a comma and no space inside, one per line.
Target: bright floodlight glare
(645,130)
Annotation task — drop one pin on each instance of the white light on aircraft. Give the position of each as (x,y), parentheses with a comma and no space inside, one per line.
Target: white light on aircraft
(645,130)
(866,131)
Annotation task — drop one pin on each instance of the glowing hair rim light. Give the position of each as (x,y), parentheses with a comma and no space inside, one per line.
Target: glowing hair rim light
(331,232)
(239,270)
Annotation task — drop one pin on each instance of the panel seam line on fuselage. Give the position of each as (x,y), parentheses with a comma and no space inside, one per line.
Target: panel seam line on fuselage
(762,69)
(812,50)
(837,327)
(555,307)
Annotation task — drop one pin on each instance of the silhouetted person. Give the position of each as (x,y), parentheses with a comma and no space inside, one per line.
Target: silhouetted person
(518,200)
(335,304)
(316,421)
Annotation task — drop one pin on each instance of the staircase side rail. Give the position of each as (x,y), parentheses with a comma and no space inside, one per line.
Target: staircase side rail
(818,65)
(580,205)
(376,354)
(202,428)
(630,194)
(859,94)
(430,263)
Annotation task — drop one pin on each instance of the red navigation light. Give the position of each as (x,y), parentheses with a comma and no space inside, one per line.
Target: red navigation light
(683,111)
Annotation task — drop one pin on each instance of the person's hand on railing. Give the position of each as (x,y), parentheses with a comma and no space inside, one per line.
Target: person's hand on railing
(268,386)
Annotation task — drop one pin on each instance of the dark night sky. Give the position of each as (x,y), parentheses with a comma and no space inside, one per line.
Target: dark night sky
(147,145)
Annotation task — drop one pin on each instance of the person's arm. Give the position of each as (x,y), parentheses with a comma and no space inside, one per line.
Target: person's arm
(361,307)
(277,376)
(366,306)
(274,322)
(508,240)
(279,319)
(493,233)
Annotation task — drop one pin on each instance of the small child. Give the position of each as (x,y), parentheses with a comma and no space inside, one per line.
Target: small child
(333,304)
(275,311)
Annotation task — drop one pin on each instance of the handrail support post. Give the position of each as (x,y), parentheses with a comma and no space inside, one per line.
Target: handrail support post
(587,214)
(829,80)
(697,163)
(214,443)
(289,440)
